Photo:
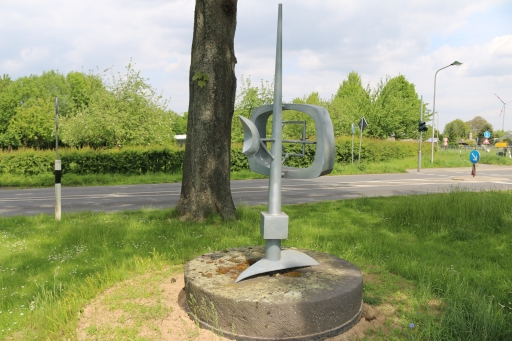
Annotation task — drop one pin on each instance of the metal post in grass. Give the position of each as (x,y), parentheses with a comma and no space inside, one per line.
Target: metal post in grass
(353,132)
(362,126)
(456,63)
(58,169)
(421,133)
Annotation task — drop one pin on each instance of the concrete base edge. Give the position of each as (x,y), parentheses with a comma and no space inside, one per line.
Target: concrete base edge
(315,337)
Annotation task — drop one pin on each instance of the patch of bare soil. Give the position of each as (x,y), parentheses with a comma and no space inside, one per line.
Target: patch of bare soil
(153,307)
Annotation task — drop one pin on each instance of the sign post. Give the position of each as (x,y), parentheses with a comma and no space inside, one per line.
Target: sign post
(474,157)
(58,171)
(421,133)
(353,132)
(362,126)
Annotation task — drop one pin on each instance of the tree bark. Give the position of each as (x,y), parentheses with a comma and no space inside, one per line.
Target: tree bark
(212,85)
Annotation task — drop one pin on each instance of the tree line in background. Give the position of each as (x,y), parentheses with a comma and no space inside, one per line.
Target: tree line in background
(459,131)
(106,112)
(94,110)
(392,108)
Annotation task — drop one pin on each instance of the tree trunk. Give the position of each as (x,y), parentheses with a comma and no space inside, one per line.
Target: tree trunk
(212,85)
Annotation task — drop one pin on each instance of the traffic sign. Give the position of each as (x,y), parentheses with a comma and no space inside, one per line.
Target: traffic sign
(362,124)
(487,134)
(486,141)
(474,156)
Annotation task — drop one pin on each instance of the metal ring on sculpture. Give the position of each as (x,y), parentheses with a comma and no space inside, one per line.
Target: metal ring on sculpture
(324,156)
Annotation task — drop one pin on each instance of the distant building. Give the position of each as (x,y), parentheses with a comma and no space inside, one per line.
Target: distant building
(506,136)
(180,139)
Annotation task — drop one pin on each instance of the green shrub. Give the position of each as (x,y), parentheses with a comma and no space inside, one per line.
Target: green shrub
(129,160)
(27,162)
(160,159)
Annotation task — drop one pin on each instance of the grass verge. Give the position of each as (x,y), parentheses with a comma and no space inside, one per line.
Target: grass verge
(441,262)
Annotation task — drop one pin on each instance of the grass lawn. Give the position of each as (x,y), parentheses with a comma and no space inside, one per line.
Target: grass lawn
(443,261)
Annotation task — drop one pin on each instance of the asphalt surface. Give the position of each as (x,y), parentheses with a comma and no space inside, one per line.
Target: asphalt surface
(255,192)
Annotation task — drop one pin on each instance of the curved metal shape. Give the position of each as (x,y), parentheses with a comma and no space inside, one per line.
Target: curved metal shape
(252,138)
(289,259)
(325,146)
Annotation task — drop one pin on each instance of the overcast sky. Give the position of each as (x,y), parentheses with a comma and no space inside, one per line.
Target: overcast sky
(323,41)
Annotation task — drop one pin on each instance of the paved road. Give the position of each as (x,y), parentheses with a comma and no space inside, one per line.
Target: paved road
(254,192)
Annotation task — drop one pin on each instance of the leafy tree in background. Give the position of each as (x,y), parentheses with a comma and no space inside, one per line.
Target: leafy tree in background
(476,124)
(498,133)
(23,90)
(249,98)
(179,125)
(94,111)
(396,109)
(483,128)
(349,104)
(126,111)
(294,131)
(456,130)
(33,124)
(82,88)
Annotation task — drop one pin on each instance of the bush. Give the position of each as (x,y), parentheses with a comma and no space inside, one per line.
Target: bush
(130,160)
(160,159)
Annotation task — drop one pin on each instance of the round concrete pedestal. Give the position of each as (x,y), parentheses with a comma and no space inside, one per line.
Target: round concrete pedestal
(310,303)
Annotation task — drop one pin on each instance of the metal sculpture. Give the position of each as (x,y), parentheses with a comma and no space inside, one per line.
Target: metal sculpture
(274,222)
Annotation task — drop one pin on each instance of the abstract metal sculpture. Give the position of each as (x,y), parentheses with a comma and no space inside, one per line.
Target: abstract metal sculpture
(274,222)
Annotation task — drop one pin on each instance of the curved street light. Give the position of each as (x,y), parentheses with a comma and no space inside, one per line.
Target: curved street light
(456,63)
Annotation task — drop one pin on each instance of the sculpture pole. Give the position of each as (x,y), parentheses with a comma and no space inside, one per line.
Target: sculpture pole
(273,246)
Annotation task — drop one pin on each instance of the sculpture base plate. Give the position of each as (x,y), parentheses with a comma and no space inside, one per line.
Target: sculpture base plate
(307,303)
(289,259)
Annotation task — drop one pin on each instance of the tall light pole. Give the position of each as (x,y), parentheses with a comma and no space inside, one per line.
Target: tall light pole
(456,63)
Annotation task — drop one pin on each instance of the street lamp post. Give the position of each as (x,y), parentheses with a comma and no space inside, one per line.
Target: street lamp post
(456,63)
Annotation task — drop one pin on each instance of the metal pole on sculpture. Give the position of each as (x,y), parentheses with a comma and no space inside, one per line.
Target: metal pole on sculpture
(273,246)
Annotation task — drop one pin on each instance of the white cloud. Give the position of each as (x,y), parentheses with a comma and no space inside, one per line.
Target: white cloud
(323,41)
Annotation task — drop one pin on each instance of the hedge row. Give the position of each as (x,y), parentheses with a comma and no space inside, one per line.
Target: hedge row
(169,160)
(372,150)
(89,161)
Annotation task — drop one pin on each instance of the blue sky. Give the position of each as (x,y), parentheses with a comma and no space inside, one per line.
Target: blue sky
(323,41)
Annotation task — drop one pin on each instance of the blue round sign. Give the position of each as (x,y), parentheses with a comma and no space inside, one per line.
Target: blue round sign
(487,134)
(474,156)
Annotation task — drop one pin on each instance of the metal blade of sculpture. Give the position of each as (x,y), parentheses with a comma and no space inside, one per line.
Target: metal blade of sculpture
(274,222)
